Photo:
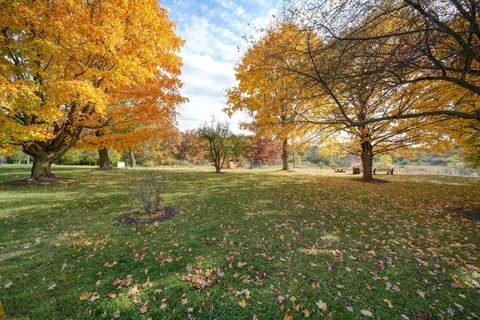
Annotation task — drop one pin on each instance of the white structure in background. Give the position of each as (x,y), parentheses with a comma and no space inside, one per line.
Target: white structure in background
(121,164)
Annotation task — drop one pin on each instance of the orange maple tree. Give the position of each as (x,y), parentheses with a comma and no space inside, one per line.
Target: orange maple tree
(272,97)
(104,72)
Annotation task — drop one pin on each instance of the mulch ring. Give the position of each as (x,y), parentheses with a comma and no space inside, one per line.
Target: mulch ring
(144,219)
(472,214)
(32,182)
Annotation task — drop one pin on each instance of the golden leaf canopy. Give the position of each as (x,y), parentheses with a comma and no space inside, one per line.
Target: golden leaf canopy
(69,68)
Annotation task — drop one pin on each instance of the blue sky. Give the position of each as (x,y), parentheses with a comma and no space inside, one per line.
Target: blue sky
(213,31)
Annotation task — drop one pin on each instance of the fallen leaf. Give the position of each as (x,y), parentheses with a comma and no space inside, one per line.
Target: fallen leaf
(164,304)
(147,284)
(366,313)
(423,316)
(133,291)
(456,284)
(94,297)
(144,308)
(85,295)
(421,294)
(242,303)
(321,305)
(388,303)
(306,313)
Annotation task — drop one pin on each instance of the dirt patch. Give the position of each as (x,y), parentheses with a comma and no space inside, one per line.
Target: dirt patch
(372,181)
(468,213)
(144,219)
(32,182)
(281,170)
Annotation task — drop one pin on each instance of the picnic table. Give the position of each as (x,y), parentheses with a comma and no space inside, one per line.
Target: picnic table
(256,164)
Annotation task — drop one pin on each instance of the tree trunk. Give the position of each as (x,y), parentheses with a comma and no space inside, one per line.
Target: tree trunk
(133,161)
(367,160)
(42,168)
(218,165)
(44,153)
(43,160)
(104,159)
(285,154)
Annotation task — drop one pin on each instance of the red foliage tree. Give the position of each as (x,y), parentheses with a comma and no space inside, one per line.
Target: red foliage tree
(267,150)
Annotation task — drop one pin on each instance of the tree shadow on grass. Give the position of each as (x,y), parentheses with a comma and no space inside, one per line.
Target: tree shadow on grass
(32,182)
(470,213)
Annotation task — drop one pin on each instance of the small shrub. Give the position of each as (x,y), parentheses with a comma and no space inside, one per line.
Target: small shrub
(150,192)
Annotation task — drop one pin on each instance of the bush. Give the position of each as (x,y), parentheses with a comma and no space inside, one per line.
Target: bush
(150,192)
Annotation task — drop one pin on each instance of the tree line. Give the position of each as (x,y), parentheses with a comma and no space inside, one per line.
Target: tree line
(212,143)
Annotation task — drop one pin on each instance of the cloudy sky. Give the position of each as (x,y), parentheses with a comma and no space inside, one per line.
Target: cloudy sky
(213,31)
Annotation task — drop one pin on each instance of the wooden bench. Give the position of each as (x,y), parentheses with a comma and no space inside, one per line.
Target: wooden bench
(389,171)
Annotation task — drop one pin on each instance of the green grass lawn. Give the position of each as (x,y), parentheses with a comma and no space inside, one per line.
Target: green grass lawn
(244,244)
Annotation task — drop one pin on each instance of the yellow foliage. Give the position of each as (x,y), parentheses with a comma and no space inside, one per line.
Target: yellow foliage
(71,68)
(269,94)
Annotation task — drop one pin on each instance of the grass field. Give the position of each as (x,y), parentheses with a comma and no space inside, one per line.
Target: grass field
(244,245)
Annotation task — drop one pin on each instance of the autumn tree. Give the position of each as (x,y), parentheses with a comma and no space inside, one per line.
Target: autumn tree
(367,98)
(265,149)
(434,45)
(104,72)
(191,147)
(160,150)
(219,139)
(270,96)
(238,144)
(340,93)
(428,43)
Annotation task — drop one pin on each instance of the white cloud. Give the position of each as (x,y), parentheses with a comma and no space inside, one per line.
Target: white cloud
(213,34)
(203,75)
